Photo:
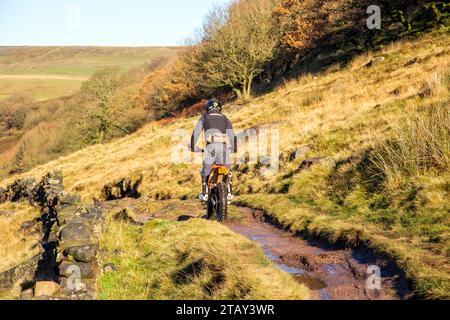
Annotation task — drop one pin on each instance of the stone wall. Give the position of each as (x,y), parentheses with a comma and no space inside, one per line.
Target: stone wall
(68,267)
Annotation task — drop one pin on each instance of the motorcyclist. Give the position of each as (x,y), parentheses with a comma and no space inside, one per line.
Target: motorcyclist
(217,128)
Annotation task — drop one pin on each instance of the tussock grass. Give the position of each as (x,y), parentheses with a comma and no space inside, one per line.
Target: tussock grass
(189,260)
(421,143)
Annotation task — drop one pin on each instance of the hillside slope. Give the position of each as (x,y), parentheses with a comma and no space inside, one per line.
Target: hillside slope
(343,115)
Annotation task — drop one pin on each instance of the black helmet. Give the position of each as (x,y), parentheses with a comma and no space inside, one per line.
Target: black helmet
(213,104)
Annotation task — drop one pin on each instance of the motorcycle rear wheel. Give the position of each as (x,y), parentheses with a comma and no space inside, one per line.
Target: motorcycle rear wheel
(221,202)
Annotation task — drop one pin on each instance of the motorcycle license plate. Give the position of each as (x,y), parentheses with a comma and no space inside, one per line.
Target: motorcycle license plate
(223,170)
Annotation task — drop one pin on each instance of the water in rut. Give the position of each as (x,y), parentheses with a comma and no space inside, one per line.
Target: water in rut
(329,272)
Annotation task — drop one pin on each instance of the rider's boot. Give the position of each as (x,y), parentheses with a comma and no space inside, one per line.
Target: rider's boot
(230,192)
(204,195)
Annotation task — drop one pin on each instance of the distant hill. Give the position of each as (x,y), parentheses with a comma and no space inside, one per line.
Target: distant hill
(52,72)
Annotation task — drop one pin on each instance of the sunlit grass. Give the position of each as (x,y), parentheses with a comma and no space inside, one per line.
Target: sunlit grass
(16,246)
(343,115)
(189,260)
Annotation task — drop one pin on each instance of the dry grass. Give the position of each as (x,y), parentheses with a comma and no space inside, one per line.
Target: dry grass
(190,260)
(341,115)
(15,245)
(421,144)
(336,114)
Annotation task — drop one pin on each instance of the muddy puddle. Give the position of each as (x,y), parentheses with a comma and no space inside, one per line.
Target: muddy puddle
(329,272)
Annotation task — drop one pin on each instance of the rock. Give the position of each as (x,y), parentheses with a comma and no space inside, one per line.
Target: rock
(126,187)
(95,216)
(83,253)
(54,182)
(27,294)
(79,290)
(86,270)
(70,199)
(374,61)
(94,212)
(3,195)
(412,61)
(49,189)
(72,285)
(22,272)
(53,235)
(109,268)
(77,233)
(127,216)
(22,189)
(33,226)
(46,288)
(66,213)
(54,178)
(308,163)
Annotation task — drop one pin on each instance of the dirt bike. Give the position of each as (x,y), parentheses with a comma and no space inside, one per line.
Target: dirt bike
(218,183)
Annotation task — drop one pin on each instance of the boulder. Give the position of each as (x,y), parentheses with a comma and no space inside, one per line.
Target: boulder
(95,215)
(94,212)
(46,289)
(83,253)
(66,213)
(69,199)
(77,233)
(127,187)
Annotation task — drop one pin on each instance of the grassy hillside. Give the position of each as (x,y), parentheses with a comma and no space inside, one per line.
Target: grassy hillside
(51,72)
(362,193)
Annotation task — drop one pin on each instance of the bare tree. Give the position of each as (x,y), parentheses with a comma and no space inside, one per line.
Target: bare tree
(237,42)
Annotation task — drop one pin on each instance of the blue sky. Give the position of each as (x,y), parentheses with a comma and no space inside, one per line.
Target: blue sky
(101,22)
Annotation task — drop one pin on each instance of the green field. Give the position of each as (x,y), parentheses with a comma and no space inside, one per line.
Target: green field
(39,89)
(52,72)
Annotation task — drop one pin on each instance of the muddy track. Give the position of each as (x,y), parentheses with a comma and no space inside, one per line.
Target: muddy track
(329,271)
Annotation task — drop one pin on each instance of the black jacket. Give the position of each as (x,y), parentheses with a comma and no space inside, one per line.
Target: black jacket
(218,127)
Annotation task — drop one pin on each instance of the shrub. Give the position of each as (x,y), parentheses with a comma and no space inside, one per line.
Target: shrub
(14,110)
(39,145)
(236,44)
(422,143)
